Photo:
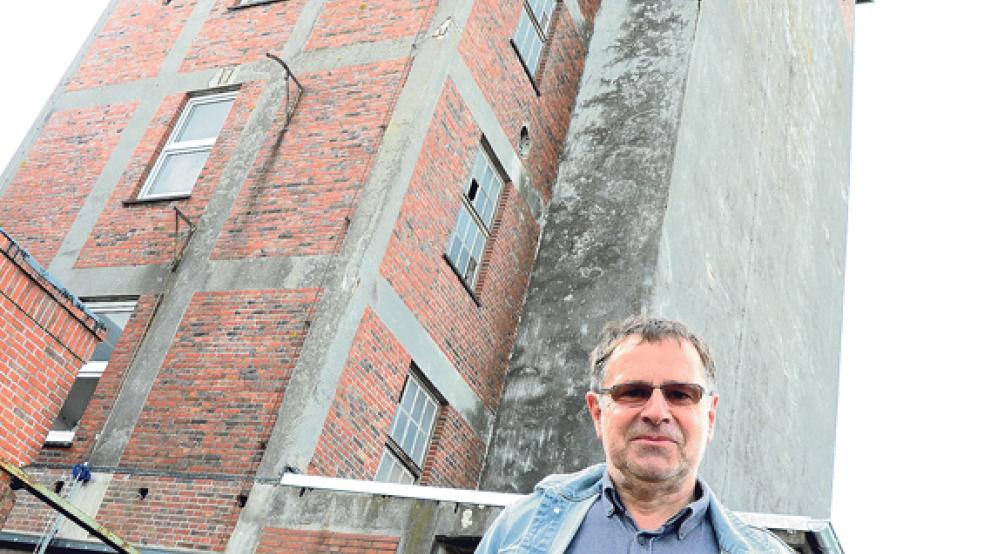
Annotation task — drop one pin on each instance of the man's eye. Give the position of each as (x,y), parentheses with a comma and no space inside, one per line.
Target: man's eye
(677,394)
(633,392)
(682,394)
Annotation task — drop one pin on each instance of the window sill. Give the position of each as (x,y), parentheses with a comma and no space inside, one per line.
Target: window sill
(522,62)
(135,201)
(245,5)
(461,280)
(59,439)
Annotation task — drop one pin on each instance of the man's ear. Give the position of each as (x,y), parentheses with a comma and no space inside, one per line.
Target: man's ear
(594,407)
(711,417)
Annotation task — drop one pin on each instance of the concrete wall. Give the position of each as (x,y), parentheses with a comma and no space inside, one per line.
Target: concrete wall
(705,180)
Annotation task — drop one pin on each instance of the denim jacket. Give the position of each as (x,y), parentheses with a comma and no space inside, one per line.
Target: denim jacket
(545,522)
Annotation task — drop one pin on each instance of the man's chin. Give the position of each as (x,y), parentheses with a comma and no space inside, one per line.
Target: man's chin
(661,471)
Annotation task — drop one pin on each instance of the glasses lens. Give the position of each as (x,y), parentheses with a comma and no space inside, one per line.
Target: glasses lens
(682,394)
(631,393)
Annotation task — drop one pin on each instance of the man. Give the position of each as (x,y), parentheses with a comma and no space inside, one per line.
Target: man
(653,407)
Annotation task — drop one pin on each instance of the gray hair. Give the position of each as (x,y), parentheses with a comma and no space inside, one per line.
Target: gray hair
(651,330)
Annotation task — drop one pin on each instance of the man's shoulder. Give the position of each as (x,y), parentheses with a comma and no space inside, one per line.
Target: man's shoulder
(736,534)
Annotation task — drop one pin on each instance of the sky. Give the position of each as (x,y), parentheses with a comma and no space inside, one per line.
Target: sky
(907,463)
(907,467)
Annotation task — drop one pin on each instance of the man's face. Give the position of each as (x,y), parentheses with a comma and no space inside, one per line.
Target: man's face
(656,442)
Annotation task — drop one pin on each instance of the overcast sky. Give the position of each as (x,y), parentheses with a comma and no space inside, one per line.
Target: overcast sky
(907,466)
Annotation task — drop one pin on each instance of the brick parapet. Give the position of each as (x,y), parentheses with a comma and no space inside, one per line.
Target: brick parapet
(24,283)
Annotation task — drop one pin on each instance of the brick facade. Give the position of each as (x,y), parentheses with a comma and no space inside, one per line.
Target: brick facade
(477,337)
(62,166)
(45,337)
(299,198)
(216,396)
(199,384)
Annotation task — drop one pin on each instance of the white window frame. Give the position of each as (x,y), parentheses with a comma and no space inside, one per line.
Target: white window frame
(532,31)
(174,147)
(409,466)
(91,369)
(473,222)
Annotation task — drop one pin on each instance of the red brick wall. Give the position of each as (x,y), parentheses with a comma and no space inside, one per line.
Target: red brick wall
(233,37)
(61,168)
(7,499)
(365,400)
(197,514)
(344,22)
(455,455)
(298,195)
(29,514)
(142,233)
(477,339)
(361,414)
(486,50)
(276,540)
(133,43)
(219,389)
(178,512)
(44,340)
(109,385)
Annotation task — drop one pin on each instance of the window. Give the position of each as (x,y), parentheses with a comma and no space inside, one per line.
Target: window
(115,316)
(187,149)
(410,434)
(531,33)
(473,224)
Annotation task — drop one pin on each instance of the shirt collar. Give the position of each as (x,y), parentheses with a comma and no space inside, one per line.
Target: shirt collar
(685,521)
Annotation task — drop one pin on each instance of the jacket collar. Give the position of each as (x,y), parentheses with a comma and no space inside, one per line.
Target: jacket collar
(734,536)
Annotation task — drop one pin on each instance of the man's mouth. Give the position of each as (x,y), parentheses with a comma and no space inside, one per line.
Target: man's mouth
(654,439)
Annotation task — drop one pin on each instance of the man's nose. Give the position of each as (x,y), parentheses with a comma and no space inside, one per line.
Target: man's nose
(656,410)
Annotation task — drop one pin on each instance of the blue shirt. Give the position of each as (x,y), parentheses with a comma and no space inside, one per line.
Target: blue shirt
(609,527)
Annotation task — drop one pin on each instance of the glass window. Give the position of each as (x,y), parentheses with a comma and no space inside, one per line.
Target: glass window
(531,32)
(473,223)
(187,149)
(115,316)
(410,434)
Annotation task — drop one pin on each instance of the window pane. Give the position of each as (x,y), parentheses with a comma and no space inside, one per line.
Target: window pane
(428,420)
(413,423)
(391,470)
(542,10)
(178,173)
(204,120)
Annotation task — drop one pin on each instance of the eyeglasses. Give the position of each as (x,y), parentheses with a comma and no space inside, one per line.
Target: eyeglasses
(636,394)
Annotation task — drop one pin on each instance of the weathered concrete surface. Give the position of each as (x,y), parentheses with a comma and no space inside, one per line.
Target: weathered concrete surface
(744,241)
(753,243)
(599,246)
(418,522)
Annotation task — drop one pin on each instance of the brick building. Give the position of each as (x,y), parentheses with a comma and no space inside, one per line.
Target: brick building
(315,225)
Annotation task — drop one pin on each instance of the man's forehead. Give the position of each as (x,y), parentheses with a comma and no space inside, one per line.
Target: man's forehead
(630,342)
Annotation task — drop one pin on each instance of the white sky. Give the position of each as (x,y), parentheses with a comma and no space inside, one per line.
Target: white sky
(907,467)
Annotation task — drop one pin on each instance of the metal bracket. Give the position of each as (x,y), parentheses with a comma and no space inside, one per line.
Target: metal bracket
(179,250)
(288,77)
